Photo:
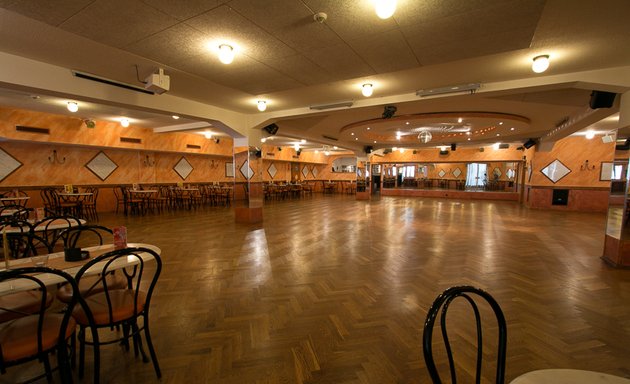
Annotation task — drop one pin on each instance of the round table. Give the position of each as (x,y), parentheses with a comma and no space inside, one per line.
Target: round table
(568,376)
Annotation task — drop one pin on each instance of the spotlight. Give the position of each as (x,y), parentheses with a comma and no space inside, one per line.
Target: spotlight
(226,53)
(124,122)
(385,8)
(262,105)
(367,89)
(389,111)
(72,106)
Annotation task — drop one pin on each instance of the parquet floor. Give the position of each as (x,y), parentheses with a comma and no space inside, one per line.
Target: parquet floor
(333,290)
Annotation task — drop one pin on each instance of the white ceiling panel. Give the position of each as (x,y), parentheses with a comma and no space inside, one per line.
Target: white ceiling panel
(183,10)
(50,12)
(385,52)
(340,61)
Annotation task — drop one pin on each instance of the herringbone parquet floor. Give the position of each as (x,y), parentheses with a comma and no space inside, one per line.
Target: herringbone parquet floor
(333,290)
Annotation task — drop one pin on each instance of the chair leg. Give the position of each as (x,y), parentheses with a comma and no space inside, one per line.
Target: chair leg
(81,351)
(147,336)
(46,361)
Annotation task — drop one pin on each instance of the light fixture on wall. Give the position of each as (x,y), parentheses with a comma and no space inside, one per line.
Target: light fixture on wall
(54,158)
(367,89)
(214,163)
(384,8)
(262,105)
(124,122)
(589,135)
(72,106)
(540,63)
(586,166)
(226,53)
(148,161)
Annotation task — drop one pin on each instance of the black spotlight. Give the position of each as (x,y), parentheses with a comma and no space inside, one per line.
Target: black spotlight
(271,129)
(389,111)
(298,152)
(279,149)
(453,146)
(529,143)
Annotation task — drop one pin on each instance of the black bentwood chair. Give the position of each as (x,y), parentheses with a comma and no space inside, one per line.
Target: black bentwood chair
(441,304)
(39,332)
(119,307)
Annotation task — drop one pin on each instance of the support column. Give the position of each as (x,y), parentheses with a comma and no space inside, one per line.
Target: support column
(248,179)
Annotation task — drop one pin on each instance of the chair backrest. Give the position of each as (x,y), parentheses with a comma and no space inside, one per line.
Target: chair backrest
(51,229)
(134,261)
(85,236)
(20,238)
(441,304)
(34,280)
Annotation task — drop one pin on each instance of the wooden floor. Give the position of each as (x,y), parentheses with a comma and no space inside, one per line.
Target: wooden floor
(333,290)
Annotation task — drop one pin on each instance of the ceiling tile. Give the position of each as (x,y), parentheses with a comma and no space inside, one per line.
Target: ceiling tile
(50,12)
(175,44)
(258,79)
(108,25)
(183,10)
(416,12)
(385,52)
(340,61)
(224,25)
(301,69)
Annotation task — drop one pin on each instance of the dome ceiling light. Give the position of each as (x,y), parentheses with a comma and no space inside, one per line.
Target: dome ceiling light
(367,89)
(72,106)
(540,63)
(226,53)
(425,136)
(384,8)
(262,105)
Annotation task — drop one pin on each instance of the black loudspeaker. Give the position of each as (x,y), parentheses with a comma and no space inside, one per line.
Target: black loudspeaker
(389,111)
(368,149)
(529,143)
(623,146)
(445,152)
(453,147)
(258,153)
(504,146)
(298,152)
(271,129)
(601,99)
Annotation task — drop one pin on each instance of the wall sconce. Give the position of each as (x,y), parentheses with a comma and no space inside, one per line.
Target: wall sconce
(216,140)
(148,161)
(54,158)
(214,163)
(586,166)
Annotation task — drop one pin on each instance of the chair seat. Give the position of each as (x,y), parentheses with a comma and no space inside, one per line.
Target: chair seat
(91,285)
(122,307)
(27,302)
(19,337)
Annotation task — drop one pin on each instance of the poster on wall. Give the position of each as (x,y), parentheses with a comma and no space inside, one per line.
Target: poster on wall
(101,166)
(8,164)
(183,168)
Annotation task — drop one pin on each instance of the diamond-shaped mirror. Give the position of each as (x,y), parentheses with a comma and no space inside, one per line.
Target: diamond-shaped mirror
(510,173)
(314,171)
(8,164)
(555,171)
(183,168)
(457,172)
(272,170)
(497,172)
(101,165)
(305,171)
(441,173)
(246,170)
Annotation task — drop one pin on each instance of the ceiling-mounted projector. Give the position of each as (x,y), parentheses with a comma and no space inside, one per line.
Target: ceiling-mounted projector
(158,82)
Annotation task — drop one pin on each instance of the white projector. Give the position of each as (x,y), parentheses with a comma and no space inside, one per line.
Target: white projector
(158,82)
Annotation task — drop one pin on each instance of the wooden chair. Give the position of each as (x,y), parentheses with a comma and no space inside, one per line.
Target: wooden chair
(119,307)
(39,332)
(441,306)
(89,204)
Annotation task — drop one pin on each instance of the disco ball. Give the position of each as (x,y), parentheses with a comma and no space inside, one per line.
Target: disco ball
(425,136)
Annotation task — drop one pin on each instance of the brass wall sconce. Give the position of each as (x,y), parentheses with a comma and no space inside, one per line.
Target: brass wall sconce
(148,161)
(214,164)
(586,166)
(54,158)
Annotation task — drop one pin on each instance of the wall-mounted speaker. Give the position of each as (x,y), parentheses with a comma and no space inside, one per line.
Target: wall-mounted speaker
(386,151)
(258,153)
(601,99)
(481,149)
(529,143)
(453,146)
(368,149)
(623,146)
(443,152)
(299,151)
(504,146)
(271,129)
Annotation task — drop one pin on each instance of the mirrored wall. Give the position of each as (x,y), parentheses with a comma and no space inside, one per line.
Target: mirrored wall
(495,176)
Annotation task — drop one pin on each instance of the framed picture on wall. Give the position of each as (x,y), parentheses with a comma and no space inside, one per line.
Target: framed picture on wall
(606,171)
(229,169)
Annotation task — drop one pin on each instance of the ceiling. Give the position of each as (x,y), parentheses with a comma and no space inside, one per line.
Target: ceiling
(284,56)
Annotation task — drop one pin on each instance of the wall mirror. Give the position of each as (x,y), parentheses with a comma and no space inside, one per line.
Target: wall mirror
(344,165)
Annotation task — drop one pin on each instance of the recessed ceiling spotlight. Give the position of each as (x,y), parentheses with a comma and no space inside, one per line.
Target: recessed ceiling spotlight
(207,135)
(367,89)
(498,134)
(356,138)
(468,133)
(540,63)
(460,120)
(368,128)
(72,106)
(262,105)
(589,135)
(351,133)
(175,117)
(469,139)
(511,129)
(500,123)
(496,145)
(374,141)
(124,122)
(335,147)
(226,53)
(385,8)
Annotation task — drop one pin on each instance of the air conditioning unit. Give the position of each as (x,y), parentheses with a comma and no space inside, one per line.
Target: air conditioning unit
(158,82)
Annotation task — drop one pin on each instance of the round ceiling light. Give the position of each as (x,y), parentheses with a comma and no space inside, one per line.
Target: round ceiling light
(367,89)
(124,122)
(226,53)
(540,64)
(425,136)
(72,106)
(385,8)
(589,135)
(262,105)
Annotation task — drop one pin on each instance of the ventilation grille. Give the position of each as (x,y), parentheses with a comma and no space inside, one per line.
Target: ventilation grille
(22,128)
(132,140)
(193,146)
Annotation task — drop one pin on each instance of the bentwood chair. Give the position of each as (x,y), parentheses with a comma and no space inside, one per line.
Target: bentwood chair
(21,239)
(38,332)
(440,306)
(119,307)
